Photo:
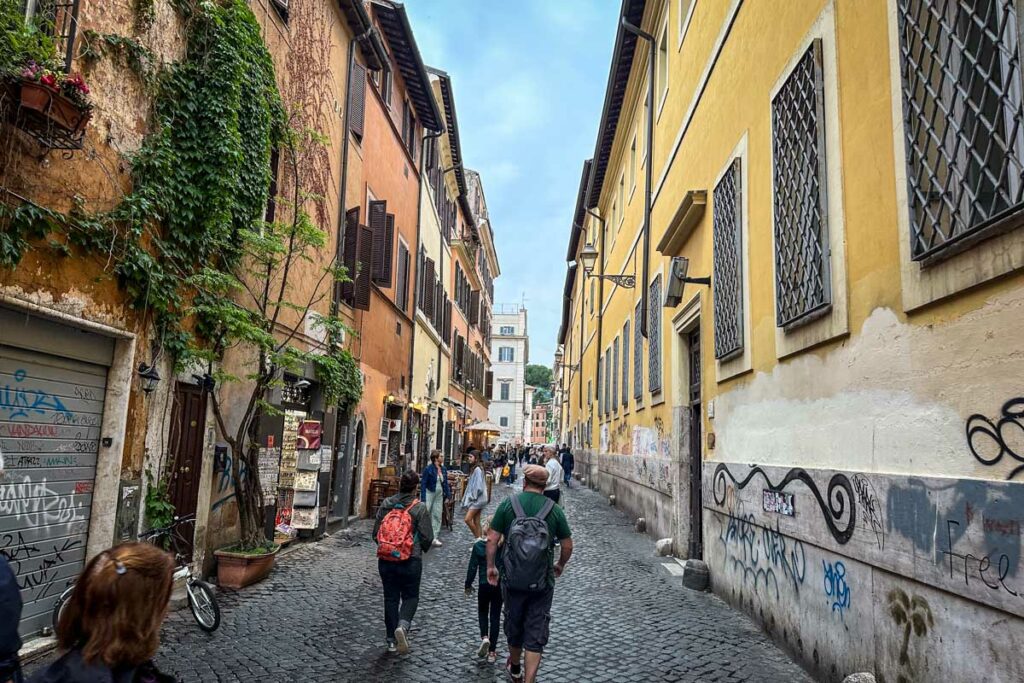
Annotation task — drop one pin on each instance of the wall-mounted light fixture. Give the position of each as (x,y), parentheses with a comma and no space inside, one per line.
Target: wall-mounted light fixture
(148,377)
(588,257)
(677,280)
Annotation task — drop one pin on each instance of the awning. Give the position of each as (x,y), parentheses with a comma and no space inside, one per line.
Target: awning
(484,427)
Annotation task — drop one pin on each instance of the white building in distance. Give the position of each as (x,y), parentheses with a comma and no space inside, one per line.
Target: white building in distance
(510,352)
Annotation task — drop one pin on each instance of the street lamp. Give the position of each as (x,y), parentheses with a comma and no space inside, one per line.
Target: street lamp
(149,377)
(588,258)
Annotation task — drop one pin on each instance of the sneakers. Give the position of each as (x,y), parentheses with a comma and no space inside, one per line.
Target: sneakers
(436,543)
(514,678)
(492,657)
(485,645)
(402,638)
(391,646)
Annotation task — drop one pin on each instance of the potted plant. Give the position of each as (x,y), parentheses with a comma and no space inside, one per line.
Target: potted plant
(239,567)
(63,99)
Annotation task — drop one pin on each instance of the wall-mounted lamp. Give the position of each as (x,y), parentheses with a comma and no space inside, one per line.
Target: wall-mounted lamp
(588,257)
(390,398)
(677,281)
(149,378)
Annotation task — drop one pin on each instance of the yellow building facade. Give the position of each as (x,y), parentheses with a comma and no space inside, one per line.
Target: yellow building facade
(832,425)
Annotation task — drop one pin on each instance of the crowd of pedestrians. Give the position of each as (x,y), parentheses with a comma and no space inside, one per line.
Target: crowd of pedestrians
(110,629)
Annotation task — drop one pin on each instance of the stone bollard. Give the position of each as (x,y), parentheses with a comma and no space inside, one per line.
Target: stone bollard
(611,499)
(663,547)
(695,575)
(862,677)
(641,525)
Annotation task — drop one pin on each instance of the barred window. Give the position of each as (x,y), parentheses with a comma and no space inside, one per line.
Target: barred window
(728,264)
(607,381)
(654,336)
(615,374)
(802,279)
(962,120)
(625,365)
(638,357)
(60,19)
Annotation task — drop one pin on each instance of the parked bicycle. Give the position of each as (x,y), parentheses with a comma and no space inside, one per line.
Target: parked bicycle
(201,599)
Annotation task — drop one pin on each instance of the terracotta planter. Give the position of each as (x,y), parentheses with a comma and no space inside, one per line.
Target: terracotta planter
(238,570)
(53,105)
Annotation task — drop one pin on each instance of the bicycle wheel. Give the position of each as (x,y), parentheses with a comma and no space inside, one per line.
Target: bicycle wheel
(58,607)
(203,605)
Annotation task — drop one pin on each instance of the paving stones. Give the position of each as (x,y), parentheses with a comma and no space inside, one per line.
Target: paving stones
(617,616)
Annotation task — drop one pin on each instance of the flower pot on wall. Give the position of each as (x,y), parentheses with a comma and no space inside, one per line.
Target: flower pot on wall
(54,106)
(238,570)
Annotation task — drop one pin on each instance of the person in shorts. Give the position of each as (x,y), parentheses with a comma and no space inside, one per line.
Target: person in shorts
(528,613)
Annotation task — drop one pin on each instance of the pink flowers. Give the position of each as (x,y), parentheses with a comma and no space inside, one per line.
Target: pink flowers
(78,83)
(71,86)
(49,80)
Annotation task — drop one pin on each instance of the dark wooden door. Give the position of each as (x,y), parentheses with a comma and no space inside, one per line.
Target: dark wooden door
(357,459)
(188,422)
(696,456)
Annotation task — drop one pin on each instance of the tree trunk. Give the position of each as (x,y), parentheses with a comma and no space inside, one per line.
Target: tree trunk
(248,491)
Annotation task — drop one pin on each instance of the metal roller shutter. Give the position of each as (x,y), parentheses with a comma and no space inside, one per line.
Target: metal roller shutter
(51,411)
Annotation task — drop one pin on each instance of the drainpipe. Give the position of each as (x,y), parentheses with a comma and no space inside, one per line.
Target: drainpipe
(419,229)
(652,47)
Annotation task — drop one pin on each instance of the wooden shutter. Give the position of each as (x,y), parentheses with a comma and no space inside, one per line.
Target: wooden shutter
(383,274)
(402,278)
(428,288)
(457,357)
(362,284)
(350,253)
(488,383)
(357,98)
(474,307)
(378,224)
(438,316)
(447,324)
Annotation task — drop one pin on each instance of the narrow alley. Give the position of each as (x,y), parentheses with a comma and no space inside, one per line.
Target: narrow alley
(617,616)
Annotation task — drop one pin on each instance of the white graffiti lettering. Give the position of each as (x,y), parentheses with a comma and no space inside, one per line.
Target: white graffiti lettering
(36,504)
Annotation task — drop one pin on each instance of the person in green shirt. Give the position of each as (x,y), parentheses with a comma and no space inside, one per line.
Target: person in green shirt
(527,613)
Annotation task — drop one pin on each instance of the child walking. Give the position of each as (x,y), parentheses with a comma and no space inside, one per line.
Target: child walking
(488,599)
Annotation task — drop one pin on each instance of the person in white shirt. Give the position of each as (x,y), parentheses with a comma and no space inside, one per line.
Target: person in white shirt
(555,474)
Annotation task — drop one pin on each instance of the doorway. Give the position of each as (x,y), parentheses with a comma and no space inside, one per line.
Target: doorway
(188,422)
(693,414)
(357,463)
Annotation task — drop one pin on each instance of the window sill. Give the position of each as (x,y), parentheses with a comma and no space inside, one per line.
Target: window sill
(658,398)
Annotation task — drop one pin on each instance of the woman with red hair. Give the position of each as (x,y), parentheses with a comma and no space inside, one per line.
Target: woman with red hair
(111,625)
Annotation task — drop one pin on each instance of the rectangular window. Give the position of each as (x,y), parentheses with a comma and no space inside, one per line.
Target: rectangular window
(592,297)
(615,374)
(59,19)
(661,68)
(802,278)
(622,199)
(507,330)
(387,85)
(625,365)
(506,354)
(685,14)
(607,395)
(503,421)
(402,280)
(506,389)
(728,264)
(961,82)
(638,357)
(654,336)
(632,165)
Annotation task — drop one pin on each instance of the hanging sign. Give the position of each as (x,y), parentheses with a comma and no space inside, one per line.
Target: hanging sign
(309,435)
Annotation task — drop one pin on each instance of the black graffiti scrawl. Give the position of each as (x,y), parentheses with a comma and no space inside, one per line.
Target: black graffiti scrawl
(840,496)
(990,441)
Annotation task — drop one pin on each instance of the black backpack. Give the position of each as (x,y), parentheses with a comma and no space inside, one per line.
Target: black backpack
(526,549)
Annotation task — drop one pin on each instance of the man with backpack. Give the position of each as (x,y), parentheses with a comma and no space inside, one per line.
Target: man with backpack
(403,532)
(530,523)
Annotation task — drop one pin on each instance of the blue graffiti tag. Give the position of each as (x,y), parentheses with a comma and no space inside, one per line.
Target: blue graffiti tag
(837,590)
(226,483)
(18,402)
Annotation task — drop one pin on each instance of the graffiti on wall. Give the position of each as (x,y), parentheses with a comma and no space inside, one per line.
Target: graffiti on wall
(838,508)
(959,535)
(762,556)
(226,479)
(912,615)
(18,402)
(990,441)
(36,503)
(837,589)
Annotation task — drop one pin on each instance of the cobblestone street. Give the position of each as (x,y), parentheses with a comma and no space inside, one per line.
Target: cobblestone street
(617,616)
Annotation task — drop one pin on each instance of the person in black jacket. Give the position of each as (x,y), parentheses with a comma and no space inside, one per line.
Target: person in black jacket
(110,628)
(10,615)
(488,599)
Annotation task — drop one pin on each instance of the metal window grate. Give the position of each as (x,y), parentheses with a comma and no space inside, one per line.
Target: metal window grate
(60,17)
(654,337)
(728,260)
(638,357)
(607,381)
(802,276)
(961,80)
(615,374)
(625,365)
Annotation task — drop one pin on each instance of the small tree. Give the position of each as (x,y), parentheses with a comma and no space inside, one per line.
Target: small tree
(539,376)
(246,298)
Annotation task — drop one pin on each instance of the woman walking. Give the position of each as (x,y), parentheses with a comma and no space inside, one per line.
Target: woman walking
(475,499)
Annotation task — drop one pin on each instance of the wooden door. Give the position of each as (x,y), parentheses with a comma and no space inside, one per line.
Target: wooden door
(188,422)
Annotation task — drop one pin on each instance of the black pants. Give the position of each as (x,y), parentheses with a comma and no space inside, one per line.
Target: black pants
(488,608)
(554,494)
(401,591)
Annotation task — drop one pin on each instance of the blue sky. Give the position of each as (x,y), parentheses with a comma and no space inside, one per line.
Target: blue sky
(529,78)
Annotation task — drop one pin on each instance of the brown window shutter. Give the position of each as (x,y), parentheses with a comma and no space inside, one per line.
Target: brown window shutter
(438,306)
(428,288)
(378,224)
(474,307)
(488,384)
(402,278)
(362,284)
(350,253)
(446,334)
(357,98)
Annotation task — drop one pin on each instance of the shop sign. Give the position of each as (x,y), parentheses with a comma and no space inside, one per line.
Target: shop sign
(309,435)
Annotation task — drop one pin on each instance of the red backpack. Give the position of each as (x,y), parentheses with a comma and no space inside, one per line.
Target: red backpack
(395,536)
